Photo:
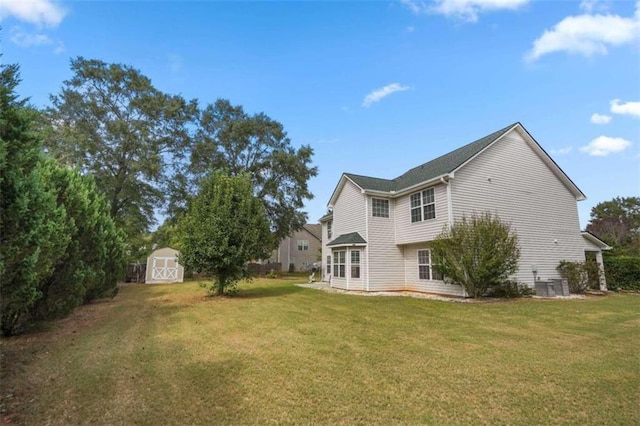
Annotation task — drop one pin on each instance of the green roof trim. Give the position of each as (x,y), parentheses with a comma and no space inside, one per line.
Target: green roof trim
(348,239)
(442,165)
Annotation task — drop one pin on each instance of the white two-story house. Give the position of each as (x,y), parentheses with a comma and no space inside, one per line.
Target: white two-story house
(377,236)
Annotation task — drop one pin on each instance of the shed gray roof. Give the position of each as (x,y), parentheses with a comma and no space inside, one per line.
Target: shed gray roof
(347,239)
(434,168)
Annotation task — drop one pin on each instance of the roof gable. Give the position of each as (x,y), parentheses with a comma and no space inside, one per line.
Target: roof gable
(593,239)
(442,165)
(448,163)
(315,229)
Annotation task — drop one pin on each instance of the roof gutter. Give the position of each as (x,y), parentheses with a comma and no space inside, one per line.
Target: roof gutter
(424,184)
(395,194)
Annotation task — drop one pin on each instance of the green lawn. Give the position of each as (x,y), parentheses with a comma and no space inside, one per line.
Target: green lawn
(278,353)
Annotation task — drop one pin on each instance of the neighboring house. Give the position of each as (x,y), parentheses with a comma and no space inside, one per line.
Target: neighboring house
(302,248)
(163,267)
(376,236)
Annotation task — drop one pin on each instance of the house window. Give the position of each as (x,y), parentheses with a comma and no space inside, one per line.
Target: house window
(423,205)
(339,264)
(380,207)
(328,265)
(329,226)
(425,267)
(355,263)
(303,245)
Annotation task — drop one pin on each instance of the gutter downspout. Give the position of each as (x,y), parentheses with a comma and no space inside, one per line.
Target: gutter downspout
(366,231)
(450,211)
(449,206)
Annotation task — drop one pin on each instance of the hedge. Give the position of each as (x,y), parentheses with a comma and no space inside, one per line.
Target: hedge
(623,272)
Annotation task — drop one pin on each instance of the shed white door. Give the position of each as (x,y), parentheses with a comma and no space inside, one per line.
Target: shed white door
(164,269)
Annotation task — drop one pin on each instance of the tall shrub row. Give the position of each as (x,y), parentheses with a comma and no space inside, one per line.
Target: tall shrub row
(623,272)
(58,245)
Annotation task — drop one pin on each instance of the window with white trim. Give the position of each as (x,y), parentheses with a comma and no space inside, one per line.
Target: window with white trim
(339,258)
(380,207)
(426,269)
(355,263)
(303,245)
(423,205)
(329,265)
(329,230)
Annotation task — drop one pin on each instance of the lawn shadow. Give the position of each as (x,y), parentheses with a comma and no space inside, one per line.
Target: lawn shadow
(275,290)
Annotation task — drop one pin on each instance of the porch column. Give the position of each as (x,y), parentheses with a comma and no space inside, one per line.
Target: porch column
(603,280)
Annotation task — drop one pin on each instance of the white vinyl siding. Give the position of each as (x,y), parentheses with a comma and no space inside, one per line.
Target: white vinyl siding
(428,285)
(349,215)
(386,263)
(408,232)
(510,179)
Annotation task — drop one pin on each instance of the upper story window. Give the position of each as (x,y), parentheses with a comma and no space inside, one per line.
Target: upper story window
(380,207)
(303,245)
(329,230)
(423,205)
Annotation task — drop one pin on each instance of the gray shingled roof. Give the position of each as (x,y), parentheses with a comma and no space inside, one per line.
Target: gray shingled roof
(314,229)
(434,168)
(344,239)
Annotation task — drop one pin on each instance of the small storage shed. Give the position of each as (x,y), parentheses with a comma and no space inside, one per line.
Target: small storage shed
(163,267)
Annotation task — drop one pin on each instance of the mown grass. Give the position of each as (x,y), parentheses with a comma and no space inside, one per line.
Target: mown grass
(278,353)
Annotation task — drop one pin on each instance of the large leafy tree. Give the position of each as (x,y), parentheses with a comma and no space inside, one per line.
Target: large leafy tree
(230,139)
(478,253)
(31,224)
(223,229)
(111,122)
(617,222)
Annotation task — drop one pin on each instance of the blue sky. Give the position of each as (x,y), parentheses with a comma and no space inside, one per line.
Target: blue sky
(374,87)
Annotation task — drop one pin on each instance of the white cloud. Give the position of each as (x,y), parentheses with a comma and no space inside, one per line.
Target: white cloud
(381,93)
(466,10)
(411,29)
(415,6)
(561,151)
(605,145)
(587,35)
(629,108)
(39,12)
(590,6)
(600,118)
(25,39)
